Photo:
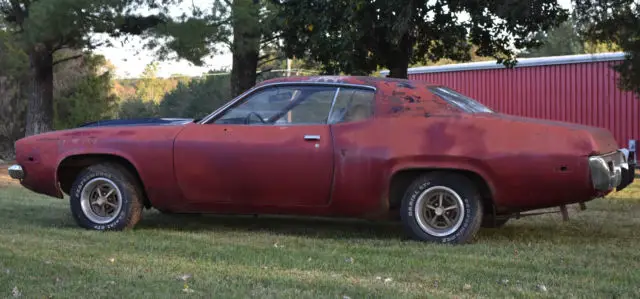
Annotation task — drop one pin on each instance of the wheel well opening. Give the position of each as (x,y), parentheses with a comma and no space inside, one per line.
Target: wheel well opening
(402,179)
(70,168)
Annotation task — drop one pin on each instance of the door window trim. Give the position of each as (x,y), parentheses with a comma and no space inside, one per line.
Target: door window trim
(229,105)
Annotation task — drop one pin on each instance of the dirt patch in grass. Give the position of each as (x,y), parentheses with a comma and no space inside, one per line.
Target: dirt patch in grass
(5,180)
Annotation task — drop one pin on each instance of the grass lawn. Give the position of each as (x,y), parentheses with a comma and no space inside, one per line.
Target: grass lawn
(44,255)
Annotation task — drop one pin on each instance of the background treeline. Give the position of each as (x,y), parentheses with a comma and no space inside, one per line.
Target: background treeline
(47,83)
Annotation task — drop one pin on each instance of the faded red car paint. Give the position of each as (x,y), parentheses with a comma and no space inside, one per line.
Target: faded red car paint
(522,163)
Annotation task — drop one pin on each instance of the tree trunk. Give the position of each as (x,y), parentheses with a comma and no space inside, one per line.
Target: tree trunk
(40,104)
(243,71)
(398,60)
(399,70)
(245,46)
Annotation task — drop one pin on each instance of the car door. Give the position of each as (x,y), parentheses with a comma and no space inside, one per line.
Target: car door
(271,148)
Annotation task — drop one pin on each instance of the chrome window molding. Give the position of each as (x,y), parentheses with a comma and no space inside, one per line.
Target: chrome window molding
(333,103)
(249,92)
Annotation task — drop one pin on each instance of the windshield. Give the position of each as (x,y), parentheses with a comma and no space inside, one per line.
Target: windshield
(461,101)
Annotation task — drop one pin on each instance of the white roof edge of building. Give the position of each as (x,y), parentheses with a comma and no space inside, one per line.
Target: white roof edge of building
(522,62)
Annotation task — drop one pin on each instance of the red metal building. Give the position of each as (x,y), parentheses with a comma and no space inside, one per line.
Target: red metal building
(576,88)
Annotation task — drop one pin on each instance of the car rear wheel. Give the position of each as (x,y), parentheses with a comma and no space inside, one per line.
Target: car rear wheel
(442,207)
(106,197)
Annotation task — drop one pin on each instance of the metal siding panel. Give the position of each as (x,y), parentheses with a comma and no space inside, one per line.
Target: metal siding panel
(584,93)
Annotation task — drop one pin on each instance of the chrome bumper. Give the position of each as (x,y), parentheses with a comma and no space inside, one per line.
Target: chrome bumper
(16,172)
(614,170)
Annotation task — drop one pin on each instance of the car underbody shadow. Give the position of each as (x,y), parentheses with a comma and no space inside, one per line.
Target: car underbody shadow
(314,227)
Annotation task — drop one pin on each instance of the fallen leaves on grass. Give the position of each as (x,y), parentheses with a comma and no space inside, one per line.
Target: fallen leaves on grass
(349,260)
(186,288)
(387,279)
(541,288)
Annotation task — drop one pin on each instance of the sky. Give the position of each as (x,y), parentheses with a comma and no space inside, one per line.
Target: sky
(130,59)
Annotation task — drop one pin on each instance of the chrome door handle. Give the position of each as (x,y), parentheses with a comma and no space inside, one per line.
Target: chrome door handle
(311,137)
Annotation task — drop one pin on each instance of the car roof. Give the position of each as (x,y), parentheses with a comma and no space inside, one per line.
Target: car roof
(401,96)
(354,80)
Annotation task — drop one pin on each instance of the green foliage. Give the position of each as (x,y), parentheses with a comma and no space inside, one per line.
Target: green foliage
(81,89)
(193,99)
(41,28)
(249,28)
(137,108)
(86,98)
(150,87)
(563,40)
(14,65)
(601,47)
(90,101)
(193,37)
(197,98)
(14,61)
(617,23)
(355,37)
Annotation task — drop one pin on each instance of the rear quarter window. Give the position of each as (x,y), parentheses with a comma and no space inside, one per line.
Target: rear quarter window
(459,100)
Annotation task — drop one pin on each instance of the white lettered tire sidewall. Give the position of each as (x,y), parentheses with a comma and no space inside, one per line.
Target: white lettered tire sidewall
(464,188)
(130,212)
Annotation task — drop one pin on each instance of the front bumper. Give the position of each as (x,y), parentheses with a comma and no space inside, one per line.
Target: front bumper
(16,172)
(614,170)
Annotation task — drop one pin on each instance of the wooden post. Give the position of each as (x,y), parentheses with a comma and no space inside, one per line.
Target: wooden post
(565,213)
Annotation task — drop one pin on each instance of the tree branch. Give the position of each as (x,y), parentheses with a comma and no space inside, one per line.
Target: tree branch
(270,60)
(67,59)
(19,14)
(264,71)
(270,39)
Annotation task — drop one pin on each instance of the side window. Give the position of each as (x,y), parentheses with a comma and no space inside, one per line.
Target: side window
(352,104)
(286,105)
(459,100)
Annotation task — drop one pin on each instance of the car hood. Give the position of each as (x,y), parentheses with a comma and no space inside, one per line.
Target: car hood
(139,122)
(131,127)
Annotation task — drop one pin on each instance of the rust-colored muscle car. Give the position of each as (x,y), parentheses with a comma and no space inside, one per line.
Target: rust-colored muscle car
(331,146)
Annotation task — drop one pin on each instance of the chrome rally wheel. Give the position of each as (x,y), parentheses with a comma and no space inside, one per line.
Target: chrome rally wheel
(106,196)
(442,207)
(101,200)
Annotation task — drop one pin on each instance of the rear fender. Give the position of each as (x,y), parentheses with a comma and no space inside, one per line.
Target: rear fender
(478,169)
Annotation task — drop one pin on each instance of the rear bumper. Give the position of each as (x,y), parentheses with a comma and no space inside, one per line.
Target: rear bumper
(614,170)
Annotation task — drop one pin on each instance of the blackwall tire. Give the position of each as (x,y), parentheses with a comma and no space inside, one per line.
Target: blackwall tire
(442,207)
(106,197)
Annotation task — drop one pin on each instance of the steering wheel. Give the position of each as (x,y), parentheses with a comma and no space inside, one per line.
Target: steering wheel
(247,119)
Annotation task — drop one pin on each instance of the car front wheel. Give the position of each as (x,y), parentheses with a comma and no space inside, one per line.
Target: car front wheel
(106,197)
(442,207)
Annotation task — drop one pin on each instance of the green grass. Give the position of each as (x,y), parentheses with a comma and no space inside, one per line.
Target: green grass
(43,254)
